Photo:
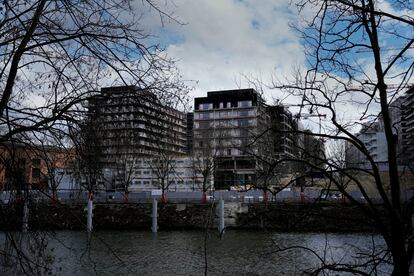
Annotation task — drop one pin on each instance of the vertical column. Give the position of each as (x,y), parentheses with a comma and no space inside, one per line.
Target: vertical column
(154,227)
(89,216)
(221,217)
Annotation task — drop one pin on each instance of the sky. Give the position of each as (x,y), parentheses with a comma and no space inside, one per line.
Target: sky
(223,43)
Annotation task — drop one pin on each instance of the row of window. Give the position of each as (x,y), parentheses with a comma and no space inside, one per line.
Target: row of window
(206,106)
(156,182)
(224,114)
(223,124)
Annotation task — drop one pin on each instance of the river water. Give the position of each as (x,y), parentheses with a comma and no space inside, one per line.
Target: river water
(182,252)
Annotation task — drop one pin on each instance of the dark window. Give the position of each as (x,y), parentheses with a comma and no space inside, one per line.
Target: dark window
(204,124)
(200,144)
(229,152)
(35,172)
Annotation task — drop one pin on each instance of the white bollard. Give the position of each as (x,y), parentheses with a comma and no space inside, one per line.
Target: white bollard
(154,227)
(89,225)
(221,217)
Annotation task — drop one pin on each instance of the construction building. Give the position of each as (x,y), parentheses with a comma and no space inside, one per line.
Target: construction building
(127,123)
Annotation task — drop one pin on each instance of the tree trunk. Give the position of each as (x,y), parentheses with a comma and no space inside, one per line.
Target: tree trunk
(265,196)
(54,196)
(126,196)
(163,198)
(204,198)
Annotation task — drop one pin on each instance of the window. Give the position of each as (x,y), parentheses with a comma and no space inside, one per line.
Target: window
(146,182)
(204,125)
(243,123)
(244,113)
(205,115)
(200,144)
(229,152)
(244,104)
(35,172)
(205,106)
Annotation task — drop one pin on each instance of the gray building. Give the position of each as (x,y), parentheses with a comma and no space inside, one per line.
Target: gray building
(225,126)
(407,126)
(373,136)
(128,123)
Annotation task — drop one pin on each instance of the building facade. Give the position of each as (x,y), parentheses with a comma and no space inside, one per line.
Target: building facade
(179,173)
(407,126)
(373,136)
(225,126)
(130,123)
(31,166)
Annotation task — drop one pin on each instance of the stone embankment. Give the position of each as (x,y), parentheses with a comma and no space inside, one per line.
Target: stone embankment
(280,217)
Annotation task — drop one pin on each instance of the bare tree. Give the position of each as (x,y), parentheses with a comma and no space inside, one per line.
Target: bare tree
(205,158)
(350,67)
(55,55)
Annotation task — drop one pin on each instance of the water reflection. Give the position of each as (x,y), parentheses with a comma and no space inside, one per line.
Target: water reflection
(182,252)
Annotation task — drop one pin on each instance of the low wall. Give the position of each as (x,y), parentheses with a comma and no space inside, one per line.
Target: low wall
(280,217)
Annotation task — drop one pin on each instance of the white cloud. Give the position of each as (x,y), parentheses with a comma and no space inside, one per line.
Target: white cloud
(224,39)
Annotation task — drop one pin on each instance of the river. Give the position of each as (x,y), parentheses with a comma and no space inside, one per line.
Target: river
(182,252)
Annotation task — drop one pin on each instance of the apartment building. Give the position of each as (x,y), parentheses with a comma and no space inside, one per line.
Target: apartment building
(130,123)
(407,125)
(373,136)
(284,142)
(226,124)
(25,166)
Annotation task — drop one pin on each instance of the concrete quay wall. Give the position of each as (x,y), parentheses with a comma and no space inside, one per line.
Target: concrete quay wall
(255,216)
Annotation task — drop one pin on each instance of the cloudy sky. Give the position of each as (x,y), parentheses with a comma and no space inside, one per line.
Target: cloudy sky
(223,41)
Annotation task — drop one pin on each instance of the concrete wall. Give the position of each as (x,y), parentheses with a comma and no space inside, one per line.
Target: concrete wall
(280,217)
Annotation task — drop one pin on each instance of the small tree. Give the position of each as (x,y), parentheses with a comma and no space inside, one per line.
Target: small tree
(205,158)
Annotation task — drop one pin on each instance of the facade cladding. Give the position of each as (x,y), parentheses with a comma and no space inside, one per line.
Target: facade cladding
(408,127)
(130,123)
(373,136)
(225,125)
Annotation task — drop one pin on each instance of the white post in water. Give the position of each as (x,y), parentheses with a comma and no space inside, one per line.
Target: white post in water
(89,225)
(221,217)
(25,220)
(154,227)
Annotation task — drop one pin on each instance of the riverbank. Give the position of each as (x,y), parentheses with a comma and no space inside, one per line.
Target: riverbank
(286,217)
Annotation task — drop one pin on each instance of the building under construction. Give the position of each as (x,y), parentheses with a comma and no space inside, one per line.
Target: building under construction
(129,123)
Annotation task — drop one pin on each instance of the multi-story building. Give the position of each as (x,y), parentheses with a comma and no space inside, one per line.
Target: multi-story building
(127,123)
(31,167)
(313,151)
(372,135)
(284,142)
(130,123)
(407,126)
(190,133)
(225,125)
(179,173)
